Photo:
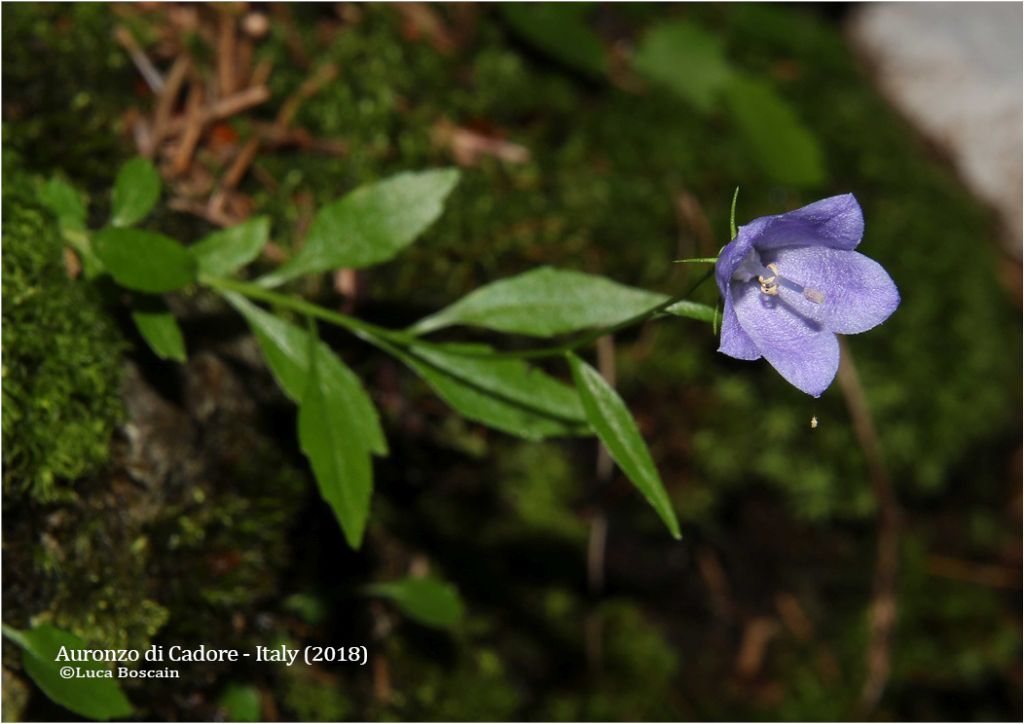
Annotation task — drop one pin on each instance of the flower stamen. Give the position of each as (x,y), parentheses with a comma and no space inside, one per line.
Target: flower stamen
(770,283)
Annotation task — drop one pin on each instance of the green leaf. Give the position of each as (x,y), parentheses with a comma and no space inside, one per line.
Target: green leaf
(544,302)
(286,349)
(687,60)
(160,329)
(614,425)
(135,192)
(428,601)
(65,202)
(371,224)
(145,261)
(93,698)
(693,310)
(561,32)
(331,438)
(783,147)
(225,252)
(241,702)
(501,392)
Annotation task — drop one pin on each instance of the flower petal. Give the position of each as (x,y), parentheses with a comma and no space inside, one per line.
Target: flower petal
(803,351)
(836,222)
(734,341)
(734,252)
(859,293)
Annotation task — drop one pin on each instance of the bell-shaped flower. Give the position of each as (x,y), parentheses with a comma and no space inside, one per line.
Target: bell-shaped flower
(792,281)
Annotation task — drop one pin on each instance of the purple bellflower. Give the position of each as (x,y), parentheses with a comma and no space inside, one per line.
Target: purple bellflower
(792,281)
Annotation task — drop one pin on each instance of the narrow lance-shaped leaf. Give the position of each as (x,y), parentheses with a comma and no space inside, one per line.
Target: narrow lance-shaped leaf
(286,349)
(544,302)
(225,252)
(371,224)
(330,439)
(97,698)
(136,191)
(503,393)
(428,601)
(159,328)
(614,425)
(145,261)
(693,310)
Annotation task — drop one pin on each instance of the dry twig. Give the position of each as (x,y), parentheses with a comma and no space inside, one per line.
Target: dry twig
(223,108)
(597,541)
(193,129)
(982,574)
(469,147)
(757,634)
(145,66)
(226,46)
(165,102)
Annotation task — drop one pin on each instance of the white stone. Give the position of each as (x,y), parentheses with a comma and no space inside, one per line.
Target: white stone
(954,69)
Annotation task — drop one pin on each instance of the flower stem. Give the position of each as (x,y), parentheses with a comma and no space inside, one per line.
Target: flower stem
(596,334)
(387,339)
(364,330)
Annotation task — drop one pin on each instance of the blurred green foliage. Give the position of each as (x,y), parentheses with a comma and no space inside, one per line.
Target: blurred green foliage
(783,509)
(66,61)
(241,703)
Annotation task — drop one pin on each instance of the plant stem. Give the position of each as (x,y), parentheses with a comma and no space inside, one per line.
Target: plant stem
(364,330)
(593,336)
(387,338)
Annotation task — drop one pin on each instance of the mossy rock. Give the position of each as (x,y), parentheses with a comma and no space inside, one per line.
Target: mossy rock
(61,358)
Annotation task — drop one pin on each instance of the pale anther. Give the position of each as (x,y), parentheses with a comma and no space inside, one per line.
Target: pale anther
(769,285)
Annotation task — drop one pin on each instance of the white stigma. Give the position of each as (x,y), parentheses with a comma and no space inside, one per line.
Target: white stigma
(813,295)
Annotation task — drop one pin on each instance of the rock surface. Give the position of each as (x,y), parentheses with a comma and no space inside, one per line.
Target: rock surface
(954,69)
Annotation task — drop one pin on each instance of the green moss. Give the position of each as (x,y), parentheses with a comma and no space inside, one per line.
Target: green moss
(472,686)
(310,698)
(240,533)
(634,679)
(64,113)
(96,564)
(129,565)
(61,359)
(541,487)
(15,696)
